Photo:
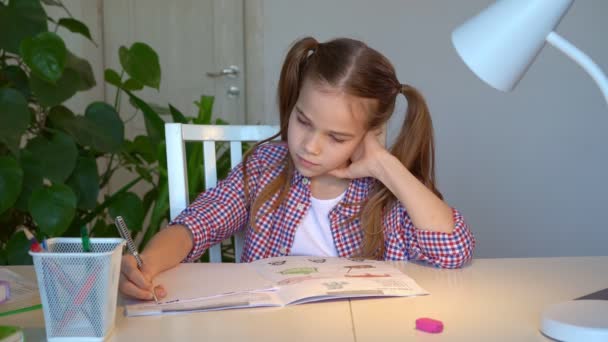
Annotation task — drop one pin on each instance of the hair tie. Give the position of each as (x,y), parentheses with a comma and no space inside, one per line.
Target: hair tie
(400,88)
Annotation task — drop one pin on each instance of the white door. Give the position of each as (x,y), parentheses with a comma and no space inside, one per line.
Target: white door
(194,39)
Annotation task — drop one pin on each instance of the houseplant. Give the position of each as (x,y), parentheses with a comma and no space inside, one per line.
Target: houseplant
(55,165)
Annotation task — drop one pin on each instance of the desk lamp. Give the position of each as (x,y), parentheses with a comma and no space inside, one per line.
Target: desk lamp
(498,45)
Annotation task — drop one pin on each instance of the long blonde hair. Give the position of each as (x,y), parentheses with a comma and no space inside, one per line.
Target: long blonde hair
(353,67)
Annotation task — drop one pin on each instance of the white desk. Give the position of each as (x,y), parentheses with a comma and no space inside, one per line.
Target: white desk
(330,321)
(489,300)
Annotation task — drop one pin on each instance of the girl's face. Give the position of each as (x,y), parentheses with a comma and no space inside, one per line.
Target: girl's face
(325,128)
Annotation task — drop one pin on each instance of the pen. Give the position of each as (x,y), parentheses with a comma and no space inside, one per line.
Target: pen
(34,245)
(124,232)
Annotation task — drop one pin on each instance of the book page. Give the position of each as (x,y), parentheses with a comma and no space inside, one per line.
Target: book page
(227,301)
(273,282)
(303,279)
(203,287)
(189,281)
(23,293)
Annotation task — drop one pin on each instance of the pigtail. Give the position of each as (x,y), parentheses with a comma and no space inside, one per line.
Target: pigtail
(290,81)
(292,74)
(414,147)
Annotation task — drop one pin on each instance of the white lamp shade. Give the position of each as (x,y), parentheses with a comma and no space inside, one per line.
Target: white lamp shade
(500,43)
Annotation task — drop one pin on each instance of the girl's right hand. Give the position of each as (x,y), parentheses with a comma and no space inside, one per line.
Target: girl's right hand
(137,283)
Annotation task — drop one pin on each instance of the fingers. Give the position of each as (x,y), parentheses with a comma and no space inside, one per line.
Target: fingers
(133,274)
(135,283)
(160,291)
(131,290)
(340,173)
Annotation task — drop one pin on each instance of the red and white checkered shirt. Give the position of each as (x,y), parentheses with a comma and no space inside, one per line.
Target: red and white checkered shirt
(221,211)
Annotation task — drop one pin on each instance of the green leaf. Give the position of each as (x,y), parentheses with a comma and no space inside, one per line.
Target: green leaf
(14,118)
(140,61)
(84,181)
(11,178)
(149,198)
(219,121)
(20,19)
(45,54)
(131,208)
(155,126)
(160,211)
(15,78)
(17,250)
(57,156)
(144,146)
(53,208)
(84,70)
(62,118)
(144,173)
(123,56)
(77,76)
(205,108)
(104,127)
(196,178)
(132,84)
(111,76)
(100,128)
(33,174)
(102,229)
(75,26)
(161,152)
(177,115)
(50,94)
(51,2)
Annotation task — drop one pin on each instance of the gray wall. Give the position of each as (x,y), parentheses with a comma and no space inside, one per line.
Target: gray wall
(526,168)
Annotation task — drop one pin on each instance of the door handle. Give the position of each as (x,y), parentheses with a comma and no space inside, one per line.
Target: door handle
(231,71)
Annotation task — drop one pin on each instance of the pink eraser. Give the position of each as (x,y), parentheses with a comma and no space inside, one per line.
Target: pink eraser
(429,325)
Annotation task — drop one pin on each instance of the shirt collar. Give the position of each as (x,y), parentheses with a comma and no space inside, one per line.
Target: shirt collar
(356,193)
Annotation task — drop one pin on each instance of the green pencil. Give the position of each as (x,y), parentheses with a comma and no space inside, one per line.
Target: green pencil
(86,242)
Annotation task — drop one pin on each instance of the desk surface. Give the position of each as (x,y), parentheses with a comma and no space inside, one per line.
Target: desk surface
(491,299)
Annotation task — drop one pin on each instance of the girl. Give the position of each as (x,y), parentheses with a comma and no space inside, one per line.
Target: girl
(329,187)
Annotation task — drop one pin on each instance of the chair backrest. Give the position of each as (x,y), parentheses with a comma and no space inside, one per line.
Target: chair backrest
(177,135)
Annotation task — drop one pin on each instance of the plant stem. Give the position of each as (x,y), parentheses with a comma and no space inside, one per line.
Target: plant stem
(132,116)
(66,9)
(108,201)
(107,180)
(118,92)
(106,175)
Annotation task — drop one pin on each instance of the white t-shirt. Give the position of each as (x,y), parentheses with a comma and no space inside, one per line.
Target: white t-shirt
(313,236)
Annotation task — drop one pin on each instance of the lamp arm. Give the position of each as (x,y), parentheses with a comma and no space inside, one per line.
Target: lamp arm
(581,59)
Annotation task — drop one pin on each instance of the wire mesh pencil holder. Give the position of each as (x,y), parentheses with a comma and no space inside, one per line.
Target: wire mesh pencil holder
(79,290)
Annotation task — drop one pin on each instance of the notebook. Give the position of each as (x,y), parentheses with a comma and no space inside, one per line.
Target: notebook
(278,281)
(24,295)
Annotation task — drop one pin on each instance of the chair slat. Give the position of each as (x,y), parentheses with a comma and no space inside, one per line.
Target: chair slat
(210,164)
(236,153)
(177,134)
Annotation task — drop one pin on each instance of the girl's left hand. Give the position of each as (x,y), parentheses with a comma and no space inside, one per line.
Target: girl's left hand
(366,158)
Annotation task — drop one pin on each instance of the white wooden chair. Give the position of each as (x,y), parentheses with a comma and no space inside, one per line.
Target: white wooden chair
(177,135)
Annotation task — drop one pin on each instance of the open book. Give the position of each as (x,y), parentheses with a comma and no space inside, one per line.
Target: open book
(24,295)
(276,281)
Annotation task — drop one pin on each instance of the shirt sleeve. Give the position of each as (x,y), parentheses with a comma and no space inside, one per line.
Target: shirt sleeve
(445,250)
(219,212)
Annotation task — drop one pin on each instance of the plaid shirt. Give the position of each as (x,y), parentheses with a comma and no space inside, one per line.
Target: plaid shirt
(221,211)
